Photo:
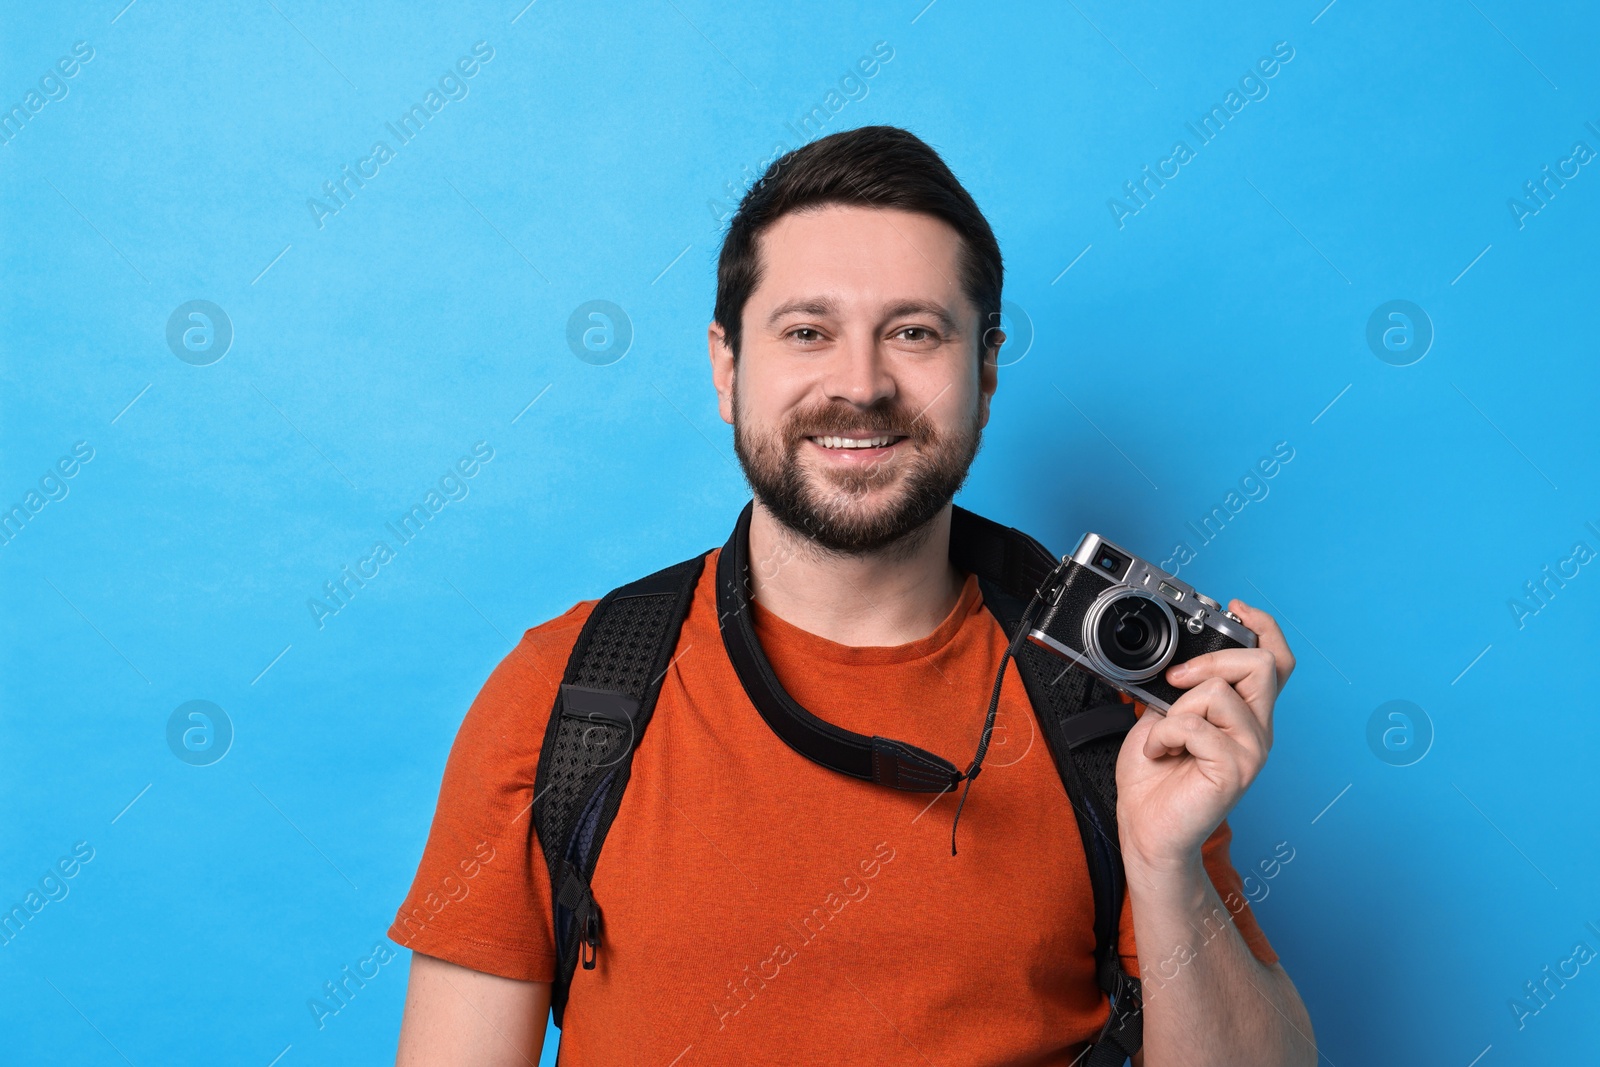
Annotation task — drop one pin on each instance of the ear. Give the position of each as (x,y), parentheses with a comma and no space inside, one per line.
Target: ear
(722,370)
(989,372)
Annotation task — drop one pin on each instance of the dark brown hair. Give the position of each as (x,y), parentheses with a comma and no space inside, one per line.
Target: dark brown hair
(877,166)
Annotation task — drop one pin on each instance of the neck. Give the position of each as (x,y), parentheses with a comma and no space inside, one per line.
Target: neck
(890,597)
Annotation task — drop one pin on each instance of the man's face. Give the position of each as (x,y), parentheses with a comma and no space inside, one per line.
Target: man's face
(858,401)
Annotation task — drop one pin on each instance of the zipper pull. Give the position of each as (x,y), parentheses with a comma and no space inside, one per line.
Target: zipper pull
(575,894)
(589,936)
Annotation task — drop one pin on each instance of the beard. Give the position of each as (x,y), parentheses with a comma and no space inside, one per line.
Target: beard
(829,507)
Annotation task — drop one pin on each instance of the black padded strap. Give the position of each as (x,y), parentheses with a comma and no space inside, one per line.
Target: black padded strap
(1007,557)
(1123,1033)
(1084,722)
(607,696)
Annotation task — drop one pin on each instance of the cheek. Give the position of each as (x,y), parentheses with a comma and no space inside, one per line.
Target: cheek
(766,397)
(949,401)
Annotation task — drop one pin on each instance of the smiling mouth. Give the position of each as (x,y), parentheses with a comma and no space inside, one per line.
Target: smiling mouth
(877,441)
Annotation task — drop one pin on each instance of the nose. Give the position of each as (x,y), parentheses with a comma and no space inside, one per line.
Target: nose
(859,372)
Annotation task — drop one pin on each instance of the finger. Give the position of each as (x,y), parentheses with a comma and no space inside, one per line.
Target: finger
(1221,705)
(1176,735)
(1269,636)
(1253,671)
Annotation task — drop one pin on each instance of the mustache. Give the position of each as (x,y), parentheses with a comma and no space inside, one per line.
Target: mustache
(844,419)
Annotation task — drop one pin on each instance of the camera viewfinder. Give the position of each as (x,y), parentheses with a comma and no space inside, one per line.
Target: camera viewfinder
(1113,563)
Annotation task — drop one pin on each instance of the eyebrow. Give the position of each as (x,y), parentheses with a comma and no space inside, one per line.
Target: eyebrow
(823,306)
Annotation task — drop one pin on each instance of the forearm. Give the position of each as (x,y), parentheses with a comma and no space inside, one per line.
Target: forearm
(466,1018)
(1207,999)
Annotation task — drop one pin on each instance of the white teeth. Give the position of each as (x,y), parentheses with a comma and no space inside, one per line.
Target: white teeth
(853,442)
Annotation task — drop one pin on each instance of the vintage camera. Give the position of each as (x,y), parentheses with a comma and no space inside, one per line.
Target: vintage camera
(1126,621)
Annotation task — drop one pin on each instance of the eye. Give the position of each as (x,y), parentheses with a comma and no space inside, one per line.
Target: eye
(815,335)
(918,334)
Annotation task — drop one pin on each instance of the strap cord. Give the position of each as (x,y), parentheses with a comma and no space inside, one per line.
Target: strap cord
(1021,635)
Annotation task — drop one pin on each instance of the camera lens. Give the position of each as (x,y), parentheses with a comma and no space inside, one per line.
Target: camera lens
(1133,634)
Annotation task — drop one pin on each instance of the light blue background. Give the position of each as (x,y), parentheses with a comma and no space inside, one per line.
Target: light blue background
(1225,316)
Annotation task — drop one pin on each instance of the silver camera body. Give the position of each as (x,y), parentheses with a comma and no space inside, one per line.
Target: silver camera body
(1126,621)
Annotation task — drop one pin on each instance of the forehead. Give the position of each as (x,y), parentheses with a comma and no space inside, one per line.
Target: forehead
(863,256)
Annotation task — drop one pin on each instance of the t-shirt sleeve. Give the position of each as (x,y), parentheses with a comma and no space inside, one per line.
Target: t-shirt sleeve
(481,896)
(1230,888)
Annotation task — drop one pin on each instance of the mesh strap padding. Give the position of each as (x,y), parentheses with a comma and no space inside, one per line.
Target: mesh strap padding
(1068,690)
(625,647)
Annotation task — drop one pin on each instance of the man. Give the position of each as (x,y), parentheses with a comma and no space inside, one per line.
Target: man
(761,908)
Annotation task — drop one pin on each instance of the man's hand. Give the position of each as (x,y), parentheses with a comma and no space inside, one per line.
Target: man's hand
(1179,774)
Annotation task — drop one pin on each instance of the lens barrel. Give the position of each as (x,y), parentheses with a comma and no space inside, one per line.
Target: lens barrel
(1130,634)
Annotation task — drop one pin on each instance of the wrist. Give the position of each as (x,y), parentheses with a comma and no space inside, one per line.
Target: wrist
(1171,873)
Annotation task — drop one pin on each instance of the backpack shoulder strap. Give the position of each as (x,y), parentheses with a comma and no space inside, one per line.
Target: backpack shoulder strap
(606,699)
(1084,721)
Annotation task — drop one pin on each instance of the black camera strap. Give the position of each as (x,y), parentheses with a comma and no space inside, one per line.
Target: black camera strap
(996,554)
(896,764)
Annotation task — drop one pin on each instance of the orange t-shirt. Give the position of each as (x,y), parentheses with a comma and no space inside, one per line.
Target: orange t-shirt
(759,908)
